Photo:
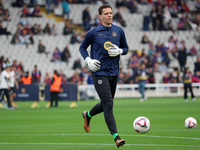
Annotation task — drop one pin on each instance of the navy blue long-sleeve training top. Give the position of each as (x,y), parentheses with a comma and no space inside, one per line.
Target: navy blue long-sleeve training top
(100,39)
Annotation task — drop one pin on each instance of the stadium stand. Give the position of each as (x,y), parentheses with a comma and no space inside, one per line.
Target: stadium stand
(29,56)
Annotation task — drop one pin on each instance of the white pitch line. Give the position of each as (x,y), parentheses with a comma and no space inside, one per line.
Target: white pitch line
(96,144)
(153,136)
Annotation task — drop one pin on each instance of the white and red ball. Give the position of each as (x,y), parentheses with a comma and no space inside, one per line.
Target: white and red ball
(141,124)
(190,122)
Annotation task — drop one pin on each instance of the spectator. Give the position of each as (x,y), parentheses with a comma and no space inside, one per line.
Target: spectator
(132,6)
(169,26)
(36,75)
(25,11)
(36,12)
(153,17)
(128,78)
(197,65)
(97,21)
(134,65)
(197,75)
(47,29)
(193,51)
(65,54)
(173,11)
(48,6)
(166,78)
(77,64)
(68,29)
(74,39)
(19,28)
(26,29)
(197,5)
(39,30)
(15,38)
(163,68)
(31,39)
(120,79)
(34,29)
(174,36)
(6,15)
(20,65)
(182,56)
(76,79)
(63,76)
(89,78)
(18,3)
(56,55)
(160,18)
(121,4)
(24,38)
(86,19)
(42,48)
(118,18)
(151,49)
(3,31)
(142,77)
(166,14)
(53,30)
(151,77)
(145,39)
(47,78)
(66,10)
(184,8)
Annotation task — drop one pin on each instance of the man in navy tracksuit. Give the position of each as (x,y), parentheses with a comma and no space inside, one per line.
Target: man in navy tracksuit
(107,42)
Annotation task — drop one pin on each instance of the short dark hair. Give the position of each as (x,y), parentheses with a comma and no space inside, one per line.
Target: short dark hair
(102,7)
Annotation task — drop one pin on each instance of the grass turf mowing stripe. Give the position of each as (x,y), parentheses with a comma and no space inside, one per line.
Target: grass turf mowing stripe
(151,136)
(91,144)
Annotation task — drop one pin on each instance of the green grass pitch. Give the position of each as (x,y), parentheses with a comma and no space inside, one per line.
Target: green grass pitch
(62,128)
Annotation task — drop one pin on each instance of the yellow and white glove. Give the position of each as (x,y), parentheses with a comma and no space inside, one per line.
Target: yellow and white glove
(114,51)
(93,64)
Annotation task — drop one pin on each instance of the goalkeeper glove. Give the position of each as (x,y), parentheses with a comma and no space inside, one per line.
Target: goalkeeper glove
(114,51)
(93,64)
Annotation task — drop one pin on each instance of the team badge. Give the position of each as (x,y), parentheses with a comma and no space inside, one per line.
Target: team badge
(114,34)
(23,90)
(107,44)
(100,81)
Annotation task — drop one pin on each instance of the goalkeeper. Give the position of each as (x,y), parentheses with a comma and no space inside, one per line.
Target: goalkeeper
(107,42)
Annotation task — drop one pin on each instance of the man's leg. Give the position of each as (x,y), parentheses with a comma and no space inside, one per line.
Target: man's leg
(143,89)
(52,97)
(191,91)
(103,89)
(56,99)
(8,97)
(185,92)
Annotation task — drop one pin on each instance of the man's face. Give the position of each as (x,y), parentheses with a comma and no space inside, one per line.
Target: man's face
(106,17)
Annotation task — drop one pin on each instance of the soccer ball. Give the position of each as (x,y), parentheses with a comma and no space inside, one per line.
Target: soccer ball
(190,122)
(141,124)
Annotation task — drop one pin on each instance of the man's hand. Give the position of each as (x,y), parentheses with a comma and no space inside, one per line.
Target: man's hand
(114,51)
(93,64)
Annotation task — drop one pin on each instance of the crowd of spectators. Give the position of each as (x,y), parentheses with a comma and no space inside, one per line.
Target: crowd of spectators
(157,59)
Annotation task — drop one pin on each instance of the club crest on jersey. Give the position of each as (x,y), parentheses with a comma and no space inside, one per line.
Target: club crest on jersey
(107,44)
(100,81)
(114,34)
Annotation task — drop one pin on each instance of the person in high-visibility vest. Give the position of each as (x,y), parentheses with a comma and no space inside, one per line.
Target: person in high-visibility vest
(187,81)
(27,79)
(55,88)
